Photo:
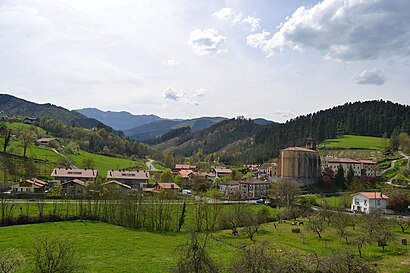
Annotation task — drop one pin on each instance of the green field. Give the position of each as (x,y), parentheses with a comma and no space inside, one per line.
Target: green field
(355,142)
(104,163)
(108,248)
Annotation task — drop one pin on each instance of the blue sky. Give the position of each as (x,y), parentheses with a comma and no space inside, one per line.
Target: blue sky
(184,59)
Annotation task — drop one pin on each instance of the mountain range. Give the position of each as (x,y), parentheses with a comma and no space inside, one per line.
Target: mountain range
(12,106)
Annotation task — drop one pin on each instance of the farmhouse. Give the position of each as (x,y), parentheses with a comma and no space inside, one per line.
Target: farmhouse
(134,179)
(359,167)
(66,174)
(171,188)
(29,185)
(220,171)
(122,187)
(73,187)
(48,142)
(179,167)
(369,201)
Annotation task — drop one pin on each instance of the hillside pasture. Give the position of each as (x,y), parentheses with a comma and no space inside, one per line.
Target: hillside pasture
(356,142)
(104,163)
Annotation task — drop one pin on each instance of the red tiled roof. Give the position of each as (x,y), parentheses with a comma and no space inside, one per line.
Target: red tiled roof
(132,175)
(168,185)
(299,149)
(373,195)
(77,173)
(185,173)
(76,181)
(117,183)
(348,160)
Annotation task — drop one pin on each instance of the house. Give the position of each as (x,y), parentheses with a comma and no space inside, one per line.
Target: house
(229,188)
(66,174)
(359,167)
(29,185)
(122,187)
(186,174)
(220,171)
(369,202)
(73,187)
(48,142)
(179,167)
(135,179)
(254,189)
(29,120)
(167,187)
(206,175)
(268,169)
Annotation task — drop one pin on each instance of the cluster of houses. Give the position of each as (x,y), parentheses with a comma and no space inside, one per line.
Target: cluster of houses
(74,182)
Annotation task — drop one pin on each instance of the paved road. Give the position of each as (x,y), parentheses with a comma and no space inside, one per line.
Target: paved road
(150,166)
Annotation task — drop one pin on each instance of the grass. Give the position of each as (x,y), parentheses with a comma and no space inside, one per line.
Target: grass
(356,142)
(104,163)
(108,248)
(395,170)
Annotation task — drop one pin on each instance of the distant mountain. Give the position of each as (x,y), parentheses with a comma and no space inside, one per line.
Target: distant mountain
(12,106)
(157,128)
(118,120)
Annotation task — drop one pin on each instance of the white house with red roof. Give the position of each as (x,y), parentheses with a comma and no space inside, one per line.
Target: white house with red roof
(369,202)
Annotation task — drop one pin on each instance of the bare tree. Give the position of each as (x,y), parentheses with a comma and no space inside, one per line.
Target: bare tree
(403,223)
(195,257)
(317,224)
(285,192)
(54,255)
(251,223)
(10,260)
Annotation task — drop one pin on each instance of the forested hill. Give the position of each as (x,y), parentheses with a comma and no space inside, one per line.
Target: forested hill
(237,142)
(13,106)
(371,118)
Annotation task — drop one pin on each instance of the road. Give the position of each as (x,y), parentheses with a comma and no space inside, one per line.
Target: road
(150,166)
(66,158)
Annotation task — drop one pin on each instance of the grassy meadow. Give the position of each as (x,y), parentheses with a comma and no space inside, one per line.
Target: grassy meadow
(108,248)
(104,163)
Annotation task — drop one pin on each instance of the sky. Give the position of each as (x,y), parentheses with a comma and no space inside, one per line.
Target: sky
(275,59)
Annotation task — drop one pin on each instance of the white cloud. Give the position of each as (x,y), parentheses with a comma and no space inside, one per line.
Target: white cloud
(199,92)
(172,94)
(258,40)
(173,62)
(230,16)
(224,14)
(347,30)
(206,42)
(183,96)
(372,76)
(284,113)
(254,22)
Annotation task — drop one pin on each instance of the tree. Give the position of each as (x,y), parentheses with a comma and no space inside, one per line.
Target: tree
(88,163)
(404,223)
(166,176)
(317,224)
(10,260)
(342,262)
(360,241)
(195,257)
(26,137)
(341,221)
(182,217)
(54,255)
(254,259)
(7,137)
(399,202)
(168,158)
(350,175)
(339,179)
(285,192)
(394,140)
(251,223)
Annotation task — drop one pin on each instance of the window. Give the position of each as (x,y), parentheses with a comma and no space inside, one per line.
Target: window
(378,202)
(356,200)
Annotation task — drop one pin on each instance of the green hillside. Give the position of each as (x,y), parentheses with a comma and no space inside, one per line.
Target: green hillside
(104,163)
(356,142)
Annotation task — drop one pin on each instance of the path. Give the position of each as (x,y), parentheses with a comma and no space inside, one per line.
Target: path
(150,166)
(66,158)
(393,163)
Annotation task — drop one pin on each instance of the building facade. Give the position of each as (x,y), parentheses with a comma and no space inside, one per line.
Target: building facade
(359,167)
(135,179)
(368,202)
